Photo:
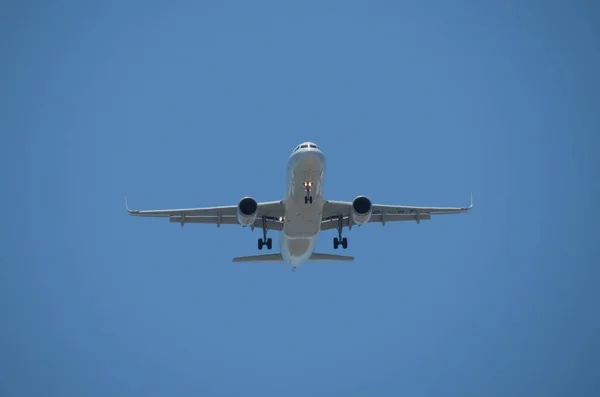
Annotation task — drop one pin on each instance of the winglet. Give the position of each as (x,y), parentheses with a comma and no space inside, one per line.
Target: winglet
(131,212)
(471,206)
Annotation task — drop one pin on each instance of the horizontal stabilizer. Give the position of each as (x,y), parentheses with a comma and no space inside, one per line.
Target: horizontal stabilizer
(329,257)
(259,258)
(315,257)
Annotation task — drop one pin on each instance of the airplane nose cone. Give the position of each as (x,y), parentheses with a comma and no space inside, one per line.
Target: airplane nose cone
(312,160)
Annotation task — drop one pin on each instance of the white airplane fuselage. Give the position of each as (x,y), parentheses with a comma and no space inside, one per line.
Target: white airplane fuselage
(302,221)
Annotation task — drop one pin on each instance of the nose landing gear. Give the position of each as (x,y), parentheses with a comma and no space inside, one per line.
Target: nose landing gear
(308,189)
(339,240)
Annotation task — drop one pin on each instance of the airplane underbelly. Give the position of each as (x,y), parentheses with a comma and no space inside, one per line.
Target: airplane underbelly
(302,220)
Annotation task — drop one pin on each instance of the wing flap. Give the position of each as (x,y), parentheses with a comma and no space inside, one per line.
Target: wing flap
(230,210)
(224,220)
(333,223)
(270,223)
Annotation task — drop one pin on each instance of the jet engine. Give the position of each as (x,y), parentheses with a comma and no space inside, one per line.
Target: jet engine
(247,210)
(361,210)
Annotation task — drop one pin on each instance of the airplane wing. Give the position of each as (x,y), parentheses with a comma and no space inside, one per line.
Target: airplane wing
(272,211)
(334,210)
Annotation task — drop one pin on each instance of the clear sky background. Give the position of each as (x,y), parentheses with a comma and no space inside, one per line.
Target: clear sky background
(184,104)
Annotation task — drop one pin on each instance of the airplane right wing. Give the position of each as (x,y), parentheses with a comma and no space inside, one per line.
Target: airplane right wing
(336,213)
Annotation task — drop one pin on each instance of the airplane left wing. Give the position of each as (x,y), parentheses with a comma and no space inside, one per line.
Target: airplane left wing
(340,212)
(270,211)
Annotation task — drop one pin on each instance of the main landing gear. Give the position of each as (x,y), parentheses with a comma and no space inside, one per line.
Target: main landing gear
(265,241)
(339,240)
(307,188)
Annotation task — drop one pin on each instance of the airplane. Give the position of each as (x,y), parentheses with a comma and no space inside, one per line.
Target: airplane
(302,213)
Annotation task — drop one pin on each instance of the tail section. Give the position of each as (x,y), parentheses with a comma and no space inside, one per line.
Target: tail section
(278,258)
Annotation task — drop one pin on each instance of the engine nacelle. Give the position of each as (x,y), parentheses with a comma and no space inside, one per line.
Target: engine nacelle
(247,210)
(361,210)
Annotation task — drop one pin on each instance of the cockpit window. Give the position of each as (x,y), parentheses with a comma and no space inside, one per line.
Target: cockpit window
(304,146)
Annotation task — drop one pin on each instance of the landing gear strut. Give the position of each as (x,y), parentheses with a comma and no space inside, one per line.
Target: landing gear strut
(339,240)
(264,241)
(307,188)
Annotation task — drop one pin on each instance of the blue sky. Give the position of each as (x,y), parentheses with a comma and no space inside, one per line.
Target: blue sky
(182,104)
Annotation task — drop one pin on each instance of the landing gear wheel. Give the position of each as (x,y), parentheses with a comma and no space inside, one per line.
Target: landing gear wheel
(308,191)
(265,241)
(339,240)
